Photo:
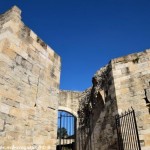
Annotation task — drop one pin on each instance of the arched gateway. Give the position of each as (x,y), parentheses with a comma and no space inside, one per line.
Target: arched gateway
(67,120)
(66,131)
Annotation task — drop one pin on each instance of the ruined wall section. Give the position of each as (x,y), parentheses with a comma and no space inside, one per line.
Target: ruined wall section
(132,83)
(97,113)
(29,85)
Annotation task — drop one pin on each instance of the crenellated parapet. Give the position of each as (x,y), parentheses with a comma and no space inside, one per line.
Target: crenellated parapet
(11,21)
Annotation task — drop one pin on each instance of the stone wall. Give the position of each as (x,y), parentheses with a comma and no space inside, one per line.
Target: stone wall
(29,86)
(123,83)
(132,86)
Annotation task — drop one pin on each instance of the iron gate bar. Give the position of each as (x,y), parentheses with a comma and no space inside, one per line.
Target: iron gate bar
(127,131)
(60,133)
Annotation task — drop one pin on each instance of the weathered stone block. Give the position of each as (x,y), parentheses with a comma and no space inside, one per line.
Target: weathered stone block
(2,125)
(4,108)
(33,35)
(36,69)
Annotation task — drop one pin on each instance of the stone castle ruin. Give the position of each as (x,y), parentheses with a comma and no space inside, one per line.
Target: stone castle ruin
(30,96)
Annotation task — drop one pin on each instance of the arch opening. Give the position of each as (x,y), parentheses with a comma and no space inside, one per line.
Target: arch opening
(66,131)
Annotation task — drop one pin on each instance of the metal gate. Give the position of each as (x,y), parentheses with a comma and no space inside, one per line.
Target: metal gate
(127,132)
(66,132)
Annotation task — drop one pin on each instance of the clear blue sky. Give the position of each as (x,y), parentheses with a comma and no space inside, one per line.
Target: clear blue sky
(87,34)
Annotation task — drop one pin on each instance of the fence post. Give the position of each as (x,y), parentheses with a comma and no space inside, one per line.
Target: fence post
(136,129)
(126,127)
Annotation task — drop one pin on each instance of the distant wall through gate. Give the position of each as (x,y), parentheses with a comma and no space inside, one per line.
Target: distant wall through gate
(69,101)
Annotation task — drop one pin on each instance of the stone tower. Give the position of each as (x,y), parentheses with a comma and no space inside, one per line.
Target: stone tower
(29,85)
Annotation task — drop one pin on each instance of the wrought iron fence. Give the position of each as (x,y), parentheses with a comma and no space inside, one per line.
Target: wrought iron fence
(127,132)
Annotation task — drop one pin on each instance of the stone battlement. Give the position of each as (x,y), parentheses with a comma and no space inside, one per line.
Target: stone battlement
(11,21)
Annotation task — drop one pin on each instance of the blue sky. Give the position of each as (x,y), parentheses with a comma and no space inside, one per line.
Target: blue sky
(87,34)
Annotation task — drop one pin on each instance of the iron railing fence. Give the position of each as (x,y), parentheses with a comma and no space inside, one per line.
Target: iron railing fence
(127,132)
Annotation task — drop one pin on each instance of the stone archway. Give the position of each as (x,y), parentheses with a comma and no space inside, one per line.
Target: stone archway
(69,102)
(66,131)
(66,109)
